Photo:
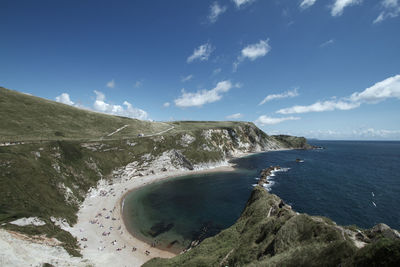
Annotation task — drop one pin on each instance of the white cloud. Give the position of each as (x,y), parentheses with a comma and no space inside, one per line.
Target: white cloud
(166,104)
(266,120)
(339,5)
(111,84)
(374,133)
(286,94)
(64,98)
(307,3)
(329,42)
(364,133)
(388,88)
(319,107)
(187,78)
(138,84)
(201,53)
(240,3)
(391,9)
(252,52)
(126,110)
(380,18)
(390,3)
(203,96)
(234,116)
(215,11)
(257,50)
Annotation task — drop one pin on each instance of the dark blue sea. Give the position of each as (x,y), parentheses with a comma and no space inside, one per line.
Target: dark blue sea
(351,182)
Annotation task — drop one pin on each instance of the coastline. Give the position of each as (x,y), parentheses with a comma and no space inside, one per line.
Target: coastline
(227,168)
(100,229)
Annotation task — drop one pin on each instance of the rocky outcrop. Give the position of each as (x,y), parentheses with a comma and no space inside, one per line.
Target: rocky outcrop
(270,233)
(265,173)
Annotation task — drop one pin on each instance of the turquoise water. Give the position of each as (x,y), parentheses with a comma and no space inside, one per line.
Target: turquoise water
(349,182)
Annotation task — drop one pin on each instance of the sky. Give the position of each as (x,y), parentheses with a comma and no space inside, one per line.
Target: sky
(327,69)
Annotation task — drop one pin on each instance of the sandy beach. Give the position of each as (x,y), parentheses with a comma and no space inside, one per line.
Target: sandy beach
(100,229)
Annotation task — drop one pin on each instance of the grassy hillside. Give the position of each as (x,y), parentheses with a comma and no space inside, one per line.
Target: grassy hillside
(29,118)
(67,151)
(269,233)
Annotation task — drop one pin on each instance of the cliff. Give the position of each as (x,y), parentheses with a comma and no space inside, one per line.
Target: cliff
(270,233)
(51,155)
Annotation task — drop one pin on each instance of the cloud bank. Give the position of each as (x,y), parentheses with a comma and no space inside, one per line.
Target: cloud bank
(126,110)
(65,99)
(388,88)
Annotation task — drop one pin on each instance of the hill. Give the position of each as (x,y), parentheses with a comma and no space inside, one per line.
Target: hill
(29,118)
(59,152)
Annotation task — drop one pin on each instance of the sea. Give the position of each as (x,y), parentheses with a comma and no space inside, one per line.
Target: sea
(351,182)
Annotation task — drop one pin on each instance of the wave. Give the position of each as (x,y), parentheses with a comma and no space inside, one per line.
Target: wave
(269,185)
(270,178)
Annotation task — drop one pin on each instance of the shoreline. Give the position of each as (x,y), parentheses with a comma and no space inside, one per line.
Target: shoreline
(121,201)
(101,230)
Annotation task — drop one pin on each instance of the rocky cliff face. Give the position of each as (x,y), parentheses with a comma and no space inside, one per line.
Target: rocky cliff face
(203,148)
(61,172)
(270,233)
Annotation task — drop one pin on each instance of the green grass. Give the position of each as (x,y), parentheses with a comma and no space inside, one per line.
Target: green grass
(383,252)
(34,176)
(292,141)
(29,118)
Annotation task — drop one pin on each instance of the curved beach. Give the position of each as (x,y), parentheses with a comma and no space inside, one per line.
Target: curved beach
(100,229)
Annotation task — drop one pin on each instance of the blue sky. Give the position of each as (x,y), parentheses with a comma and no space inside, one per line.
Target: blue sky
(327,69)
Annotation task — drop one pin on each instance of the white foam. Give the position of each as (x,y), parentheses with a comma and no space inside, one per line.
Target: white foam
(374,203)
(269,185)
(270,178)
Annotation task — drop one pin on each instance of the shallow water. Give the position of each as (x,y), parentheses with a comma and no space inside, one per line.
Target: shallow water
(341,182)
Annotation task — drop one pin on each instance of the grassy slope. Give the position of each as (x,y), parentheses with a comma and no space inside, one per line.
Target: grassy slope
(292,141)
(283,239)
(24,118)
(33,175)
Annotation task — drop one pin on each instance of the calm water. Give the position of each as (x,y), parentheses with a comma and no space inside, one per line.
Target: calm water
(341,182)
